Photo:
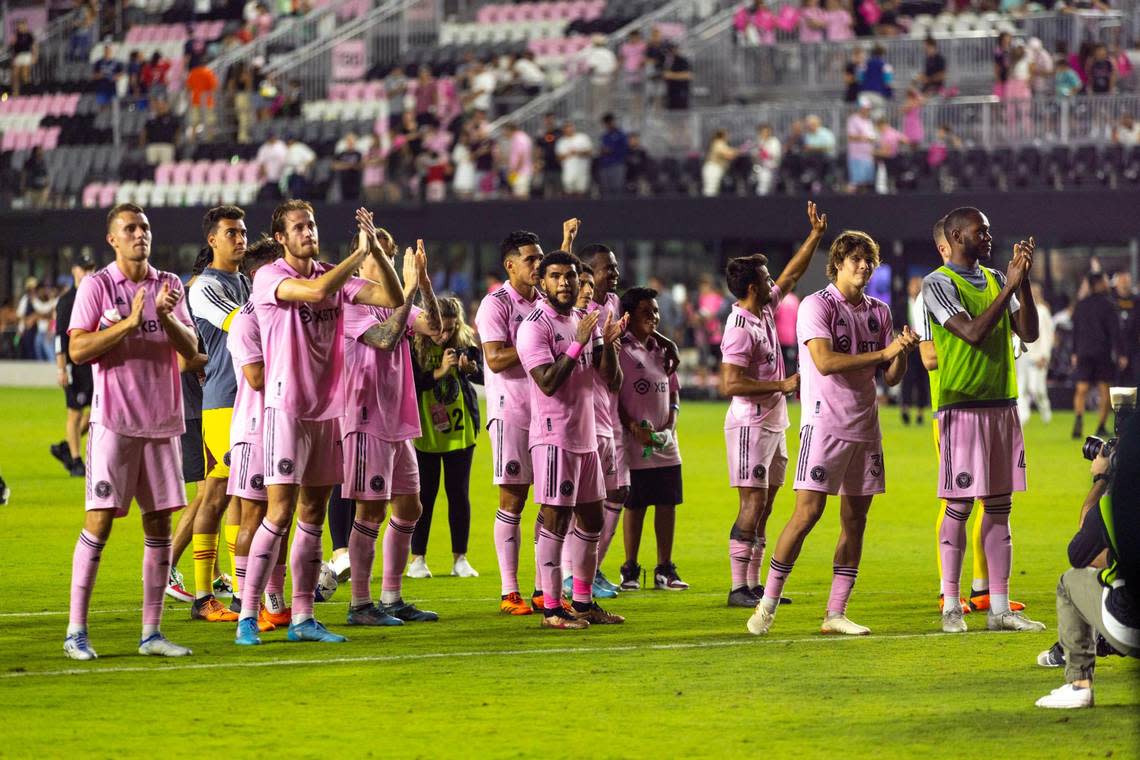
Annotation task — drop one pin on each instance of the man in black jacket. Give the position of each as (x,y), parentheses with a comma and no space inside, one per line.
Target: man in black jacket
(75,379)
(1096,340)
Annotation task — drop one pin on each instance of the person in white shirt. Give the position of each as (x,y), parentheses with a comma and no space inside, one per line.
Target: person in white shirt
(574,150)
(299,159)
(272,158)
(1033,364)
(766,159)
(483,86)
(602,64)
(528,74)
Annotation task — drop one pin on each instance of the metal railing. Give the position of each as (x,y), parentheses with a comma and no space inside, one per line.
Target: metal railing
(53,46)
(983,121)
(1110,27)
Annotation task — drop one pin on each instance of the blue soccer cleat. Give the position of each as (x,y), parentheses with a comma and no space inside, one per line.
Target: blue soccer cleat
(247,633)
(311,630)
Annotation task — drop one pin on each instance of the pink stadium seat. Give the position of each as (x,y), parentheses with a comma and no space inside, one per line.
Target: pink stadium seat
(250,172)
(181,174)
(198,172)
(374,90)
(107,194)
(91,195)
(8,142)
(72,104)
(232,174)
(510,14)
(355,91)
(24,140)
(486,13)
(51,140)
(336,91)
(164,174)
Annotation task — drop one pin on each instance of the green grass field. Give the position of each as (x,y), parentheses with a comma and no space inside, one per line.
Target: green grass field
(681,679)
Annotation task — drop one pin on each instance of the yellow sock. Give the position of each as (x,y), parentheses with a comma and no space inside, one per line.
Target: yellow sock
(981,570)
(205,552)
(231,544)
(938,535)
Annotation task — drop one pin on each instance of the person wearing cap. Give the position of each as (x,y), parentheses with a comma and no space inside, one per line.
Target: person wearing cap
(75,379)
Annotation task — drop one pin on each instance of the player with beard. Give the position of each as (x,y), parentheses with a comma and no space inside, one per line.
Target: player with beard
(973,313)
(848,339)
(381,422)
(562,350)
(299,306)
(130,321)
(752,374)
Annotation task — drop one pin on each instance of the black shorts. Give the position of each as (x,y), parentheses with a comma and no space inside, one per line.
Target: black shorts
(81,388)
(193,454)
(657,486)
(1095,369)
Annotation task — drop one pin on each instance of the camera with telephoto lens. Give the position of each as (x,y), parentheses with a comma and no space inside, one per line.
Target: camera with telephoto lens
(1093,447)
(1123,404)
(472,353)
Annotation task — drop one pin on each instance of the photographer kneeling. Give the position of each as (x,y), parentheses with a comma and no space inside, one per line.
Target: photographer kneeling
(1098,595)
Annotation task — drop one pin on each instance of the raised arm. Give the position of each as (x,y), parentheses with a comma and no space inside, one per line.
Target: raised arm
(429,321)
(570,229)
(386,293)
(802,258)
(315,291)
(386,335)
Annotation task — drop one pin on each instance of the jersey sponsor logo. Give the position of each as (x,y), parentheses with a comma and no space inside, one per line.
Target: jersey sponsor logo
(103,489)
(843,343)
(818,473)
(285,466)
(376,484)
(867,346)
(150,326)
(566,488)
(257,483)
(316,316)
(758,472)
(514,468)
(964,480)
(642,386)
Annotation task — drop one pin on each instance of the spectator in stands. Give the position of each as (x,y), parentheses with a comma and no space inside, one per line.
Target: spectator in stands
(1040,67)
(1018,89)
(1127,132)
(23,50)
(708,321)
(292,98)
(528,75)
(377,187)
(638,167)
(154,75)
(574,151)
(241,88)
(886,151)
(482,88)
(160,135)
(785,317)
(913,127)
(135,88)
(813,22)
(426,95)
(755,24)
(1128,301)
(194,50)
(520,161)
(861,148)
(396,87)
(766,158)
(1066,82)
(933,76)
(613,147)
(839,22)
(299,160)
(944,140)
(794,142)
(1002,63)
(106,72)
(348,168)
(35,182)
(888,24)
(483,151)
(601,64)
(853,74)
(548,162)
(718,158)
(82,34)
(463,183)
(877,77)
(203,85)
(818,139)
(655,55)
(634,64)
(678,76)
(1101,74)
(272,158)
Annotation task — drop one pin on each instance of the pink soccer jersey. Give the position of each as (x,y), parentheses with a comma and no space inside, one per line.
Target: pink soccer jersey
(566,419)
(138,392)
(244,344)
(381,392)
(842,405)
(605,403)
(645,394)
(751,342)
(304,355)
(497,321)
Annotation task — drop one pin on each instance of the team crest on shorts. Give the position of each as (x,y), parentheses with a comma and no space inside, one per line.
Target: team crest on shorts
(758,472)
(964,480)
(377,483)
(872,324)
(513,467)
(285,466)
(818,473)
(876,465)
(226,459)
(257,483)
(102,489)
(566,488)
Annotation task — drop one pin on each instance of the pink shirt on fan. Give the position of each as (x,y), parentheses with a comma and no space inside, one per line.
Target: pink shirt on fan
(244,344)
(605,403)
(521,153)
(842,405)
(497,321)
(302,343)
(751,342)
(381,398)
(566,419)
(808,33)
(839,25)
(138,391)
(646,394)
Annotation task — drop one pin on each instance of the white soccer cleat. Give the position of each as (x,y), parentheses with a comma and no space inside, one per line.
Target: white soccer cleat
(760,621)
(835,623)
(342,566)
(1012,621)
(953,621)
(1067,697)
(462,568)
(159,646)
(77,647)
(418,569)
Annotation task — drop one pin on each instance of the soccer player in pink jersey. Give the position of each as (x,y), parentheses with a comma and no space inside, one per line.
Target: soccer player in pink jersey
(848,339)
(752,373)
(130,321)
(382,419)
(246,456)
(562,349)
(299,302)
(648,405)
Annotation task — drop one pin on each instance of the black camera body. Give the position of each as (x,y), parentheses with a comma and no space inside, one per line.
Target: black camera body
(1093,447)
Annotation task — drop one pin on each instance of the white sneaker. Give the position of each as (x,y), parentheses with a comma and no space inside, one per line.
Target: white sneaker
(160,646)
(462,568)
(760,621)
(418,569)
(77,647)
(835,623)
(1068,697)
(1012,621)
(953,621)
(341,565)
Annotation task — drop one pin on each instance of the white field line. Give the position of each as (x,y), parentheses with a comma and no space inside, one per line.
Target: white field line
(743,641)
